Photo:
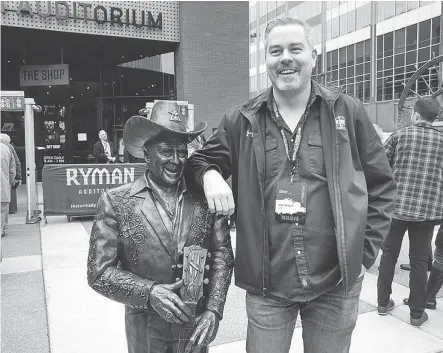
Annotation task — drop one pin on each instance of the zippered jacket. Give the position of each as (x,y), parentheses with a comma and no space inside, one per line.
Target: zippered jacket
(360,182)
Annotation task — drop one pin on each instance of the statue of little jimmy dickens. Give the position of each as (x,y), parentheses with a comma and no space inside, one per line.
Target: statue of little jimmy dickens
(153,242)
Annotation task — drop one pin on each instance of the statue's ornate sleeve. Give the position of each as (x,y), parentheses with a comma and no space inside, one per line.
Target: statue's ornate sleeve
(222,263)
(104,276)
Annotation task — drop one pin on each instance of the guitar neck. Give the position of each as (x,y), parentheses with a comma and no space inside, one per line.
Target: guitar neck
(186,330)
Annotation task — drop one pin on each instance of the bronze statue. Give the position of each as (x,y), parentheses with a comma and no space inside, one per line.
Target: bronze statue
(145,234)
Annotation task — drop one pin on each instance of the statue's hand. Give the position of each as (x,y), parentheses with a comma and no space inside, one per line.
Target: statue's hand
(218,193)
(168,304)
(204,332)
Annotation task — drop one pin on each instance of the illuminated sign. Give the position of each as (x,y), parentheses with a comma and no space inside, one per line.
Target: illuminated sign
(12,101)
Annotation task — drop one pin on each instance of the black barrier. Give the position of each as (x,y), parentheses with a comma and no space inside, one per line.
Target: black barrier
(74,189)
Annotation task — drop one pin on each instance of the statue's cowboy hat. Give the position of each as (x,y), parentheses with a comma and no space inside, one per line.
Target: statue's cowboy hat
(165,117)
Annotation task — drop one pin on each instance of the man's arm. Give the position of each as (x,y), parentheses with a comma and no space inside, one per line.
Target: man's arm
(222,263)
(18,165)
(380,185)
(11,167)
(209,167)
(103,274)
(390,146)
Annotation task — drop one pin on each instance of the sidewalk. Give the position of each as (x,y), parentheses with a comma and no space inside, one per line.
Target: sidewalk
(48,307)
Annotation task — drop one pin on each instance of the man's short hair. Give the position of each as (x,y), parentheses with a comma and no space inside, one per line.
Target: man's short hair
(428,108)
(5,138)
(284,21)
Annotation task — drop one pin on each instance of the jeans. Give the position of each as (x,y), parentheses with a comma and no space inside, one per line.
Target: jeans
(420,235)
(328,322)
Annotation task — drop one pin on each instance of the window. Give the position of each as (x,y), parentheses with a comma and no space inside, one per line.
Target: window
(424,34)
(359,52)
(388,44)
(400,43)
(379,46)
(435,30)
(263,80)
(342,57)
(411,37)
(350,54)
(385,9)
(412,5)
(400,7)
(343,24)
(335,59)
(335,28)
(252,83)
(367,50)
(351,21)
(363,16)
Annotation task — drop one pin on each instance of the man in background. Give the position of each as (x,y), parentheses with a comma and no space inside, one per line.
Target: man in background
(415,156)
(7,177)
(4,138)
(103,149)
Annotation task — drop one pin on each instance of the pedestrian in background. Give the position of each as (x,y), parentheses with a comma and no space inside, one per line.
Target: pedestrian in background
(18,173)
(416,158)
(7,178)
(103,149)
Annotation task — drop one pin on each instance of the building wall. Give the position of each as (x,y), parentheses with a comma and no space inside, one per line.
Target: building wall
(211,62)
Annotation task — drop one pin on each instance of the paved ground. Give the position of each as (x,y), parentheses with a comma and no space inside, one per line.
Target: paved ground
(48,307)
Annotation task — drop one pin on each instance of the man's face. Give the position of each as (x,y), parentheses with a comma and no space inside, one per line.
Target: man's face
(103,135)
(166,160)
(289,57)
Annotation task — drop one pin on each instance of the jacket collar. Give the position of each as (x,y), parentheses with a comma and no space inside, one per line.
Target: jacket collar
(423,123)
(253,105)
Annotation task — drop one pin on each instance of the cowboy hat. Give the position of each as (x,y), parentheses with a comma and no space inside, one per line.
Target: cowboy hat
(165,117)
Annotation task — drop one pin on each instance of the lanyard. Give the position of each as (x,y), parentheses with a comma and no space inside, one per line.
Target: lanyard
(293,170)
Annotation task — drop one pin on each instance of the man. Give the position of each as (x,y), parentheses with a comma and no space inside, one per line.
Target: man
(415,156)
(4,138)
(141,229)
(103,149)
(7,178)
(314,196)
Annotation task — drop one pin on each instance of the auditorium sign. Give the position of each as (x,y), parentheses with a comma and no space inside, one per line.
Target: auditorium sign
(156,20)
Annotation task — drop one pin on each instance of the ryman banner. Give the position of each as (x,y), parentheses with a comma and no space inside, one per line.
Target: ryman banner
(74,189)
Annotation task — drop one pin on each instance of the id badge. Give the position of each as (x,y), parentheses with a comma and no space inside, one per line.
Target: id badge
(290,203)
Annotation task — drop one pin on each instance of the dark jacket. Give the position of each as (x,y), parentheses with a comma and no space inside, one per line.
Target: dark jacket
(360,182)
(130,250)
(99,152)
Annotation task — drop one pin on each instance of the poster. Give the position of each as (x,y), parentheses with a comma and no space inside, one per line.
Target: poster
(74,189)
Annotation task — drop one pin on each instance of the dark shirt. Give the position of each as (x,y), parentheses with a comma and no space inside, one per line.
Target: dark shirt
(304,256)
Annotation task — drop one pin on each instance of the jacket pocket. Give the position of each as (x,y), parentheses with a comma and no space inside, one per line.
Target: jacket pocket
(271,157)
(316,157)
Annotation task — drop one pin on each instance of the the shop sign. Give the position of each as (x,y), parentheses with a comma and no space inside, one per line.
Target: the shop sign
(44,75)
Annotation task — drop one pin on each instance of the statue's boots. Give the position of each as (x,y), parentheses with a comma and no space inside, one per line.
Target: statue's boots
(435,282)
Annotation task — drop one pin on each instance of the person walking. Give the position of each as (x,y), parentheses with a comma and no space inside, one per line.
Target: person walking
(18,173)
(7,178)
(415,156)
(313,193)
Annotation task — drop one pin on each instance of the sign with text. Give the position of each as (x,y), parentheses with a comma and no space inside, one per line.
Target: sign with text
(12,101)
(74,189)
(44,75)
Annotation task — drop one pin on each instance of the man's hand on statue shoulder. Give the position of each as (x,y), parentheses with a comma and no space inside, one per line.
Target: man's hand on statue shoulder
(204,332)
(168,304)
(218,193)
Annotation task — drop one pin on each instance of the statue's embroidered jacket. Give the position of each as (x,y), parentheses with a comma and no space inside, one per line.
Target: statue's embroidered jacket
(131,250)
